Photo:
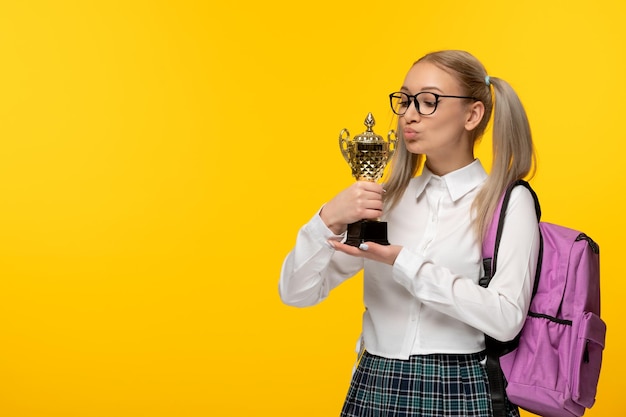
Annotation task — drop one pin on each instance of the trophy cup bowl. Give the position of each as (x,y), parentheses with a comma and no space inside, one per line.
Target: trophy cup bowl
(367,154)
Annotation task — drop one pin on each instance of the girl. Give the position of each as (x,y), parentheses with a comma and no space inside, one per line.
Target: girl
(426,317)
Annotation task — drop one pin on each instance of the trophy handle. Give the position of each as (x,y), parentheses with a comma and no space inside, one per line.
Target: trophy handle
(392,137)
(344,144)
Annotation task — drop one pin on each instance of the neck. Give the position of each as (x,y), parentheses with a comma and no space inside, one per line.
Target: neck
(445,166)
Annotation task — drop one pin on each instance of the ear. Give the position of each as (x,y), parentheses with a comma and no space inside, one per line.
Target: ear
(475,114)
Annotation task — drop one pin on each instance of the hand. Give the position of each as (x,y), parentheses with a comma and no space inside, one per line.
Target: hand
(362,200)
(381,253)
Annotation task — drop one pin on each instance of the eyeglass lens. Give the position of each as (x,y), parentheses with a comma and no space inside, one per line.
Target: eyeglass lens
(425,102)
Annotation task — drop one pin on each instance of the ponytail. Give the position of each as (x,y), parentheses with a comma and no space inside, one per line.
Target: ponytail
(513,152)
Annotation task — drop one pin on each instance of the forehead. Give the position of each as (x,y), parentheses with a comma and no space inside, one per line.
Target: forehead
(428,76)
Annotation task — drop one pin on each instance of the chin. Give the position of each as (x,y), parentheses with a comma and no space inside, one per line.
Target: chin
(415,148)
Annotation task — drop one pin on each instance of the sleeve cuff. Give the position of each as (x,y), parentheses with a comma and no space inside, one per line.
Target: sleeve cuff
(406,267)
(316,227)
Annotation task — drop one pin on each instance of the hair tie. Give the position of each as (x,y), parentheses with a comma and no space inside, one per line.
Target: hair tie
(487,80)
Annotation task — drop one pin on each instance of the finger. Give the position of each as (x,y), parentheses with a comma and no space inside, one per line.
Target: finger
(348,249)
(365,249)
(369,186)
(370,200)
(370,214)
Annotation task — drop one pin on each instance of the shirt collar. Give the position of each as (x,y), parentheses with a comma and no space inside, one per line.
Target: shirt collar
(458,183)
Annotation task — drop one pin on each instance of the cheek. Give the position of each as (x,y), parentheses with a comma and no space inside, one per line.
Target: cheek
(448,126)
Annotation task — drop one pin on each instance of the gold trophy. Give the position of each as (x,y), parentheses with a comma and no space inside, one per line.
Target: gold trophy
(367,154)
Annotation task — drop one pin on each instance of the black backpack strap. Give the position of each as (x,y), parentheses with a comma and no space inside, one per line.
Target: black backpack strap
(505,203)
(495,348)
(497,384)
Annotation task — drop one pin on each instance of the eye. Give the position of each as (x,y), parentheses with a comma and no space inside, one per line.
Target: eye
(400,103)
(427,100)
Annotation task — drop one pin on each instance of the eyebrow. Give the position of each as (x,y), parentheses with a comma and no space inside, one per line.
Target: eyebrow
(427,88)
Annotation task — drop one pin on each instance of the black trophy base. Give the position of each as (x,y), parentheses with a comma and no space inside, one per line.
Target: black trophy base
(367,231)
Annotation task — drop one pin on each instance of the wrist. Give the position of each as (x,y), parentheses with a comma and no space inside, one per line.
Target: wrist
(331,224)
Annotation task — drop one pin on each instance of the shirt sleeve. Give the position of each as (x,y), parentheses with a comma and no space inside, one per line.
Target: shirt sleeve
(313,267)
(500,309)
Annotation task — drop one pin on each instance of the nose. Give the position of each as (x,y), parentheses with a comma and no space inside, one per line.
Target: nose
(411,115)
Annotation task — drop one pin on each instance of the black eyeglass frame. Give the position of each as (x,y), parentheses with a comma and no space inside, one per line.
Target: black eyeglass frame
(416,103)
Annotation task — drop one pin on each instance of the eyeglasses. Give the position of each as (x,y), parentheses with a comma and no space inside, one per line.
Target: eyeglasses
(425,102)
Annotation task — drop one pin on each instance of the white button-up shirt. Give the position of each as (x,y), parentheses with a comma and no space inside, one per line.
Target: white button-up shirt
(429,301)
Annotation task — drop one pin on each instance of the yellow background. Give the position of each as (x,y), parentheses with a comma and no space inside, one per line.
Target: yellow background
(158,157)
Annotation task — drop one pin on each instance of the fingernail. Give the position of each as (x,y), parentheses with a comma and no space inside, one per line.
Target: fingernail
(331,243)
(363,246)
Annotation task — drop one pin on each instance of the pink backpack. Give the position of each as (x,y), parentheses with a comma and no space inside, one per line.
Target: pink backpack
(553,366)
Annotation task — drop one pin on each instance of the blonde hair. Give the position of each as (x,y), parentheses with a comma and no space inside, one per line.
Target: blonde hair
(513,150)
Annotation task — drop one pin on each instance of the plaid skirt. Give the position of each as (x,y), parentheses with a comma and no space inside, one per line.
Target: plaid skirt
(422,386)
